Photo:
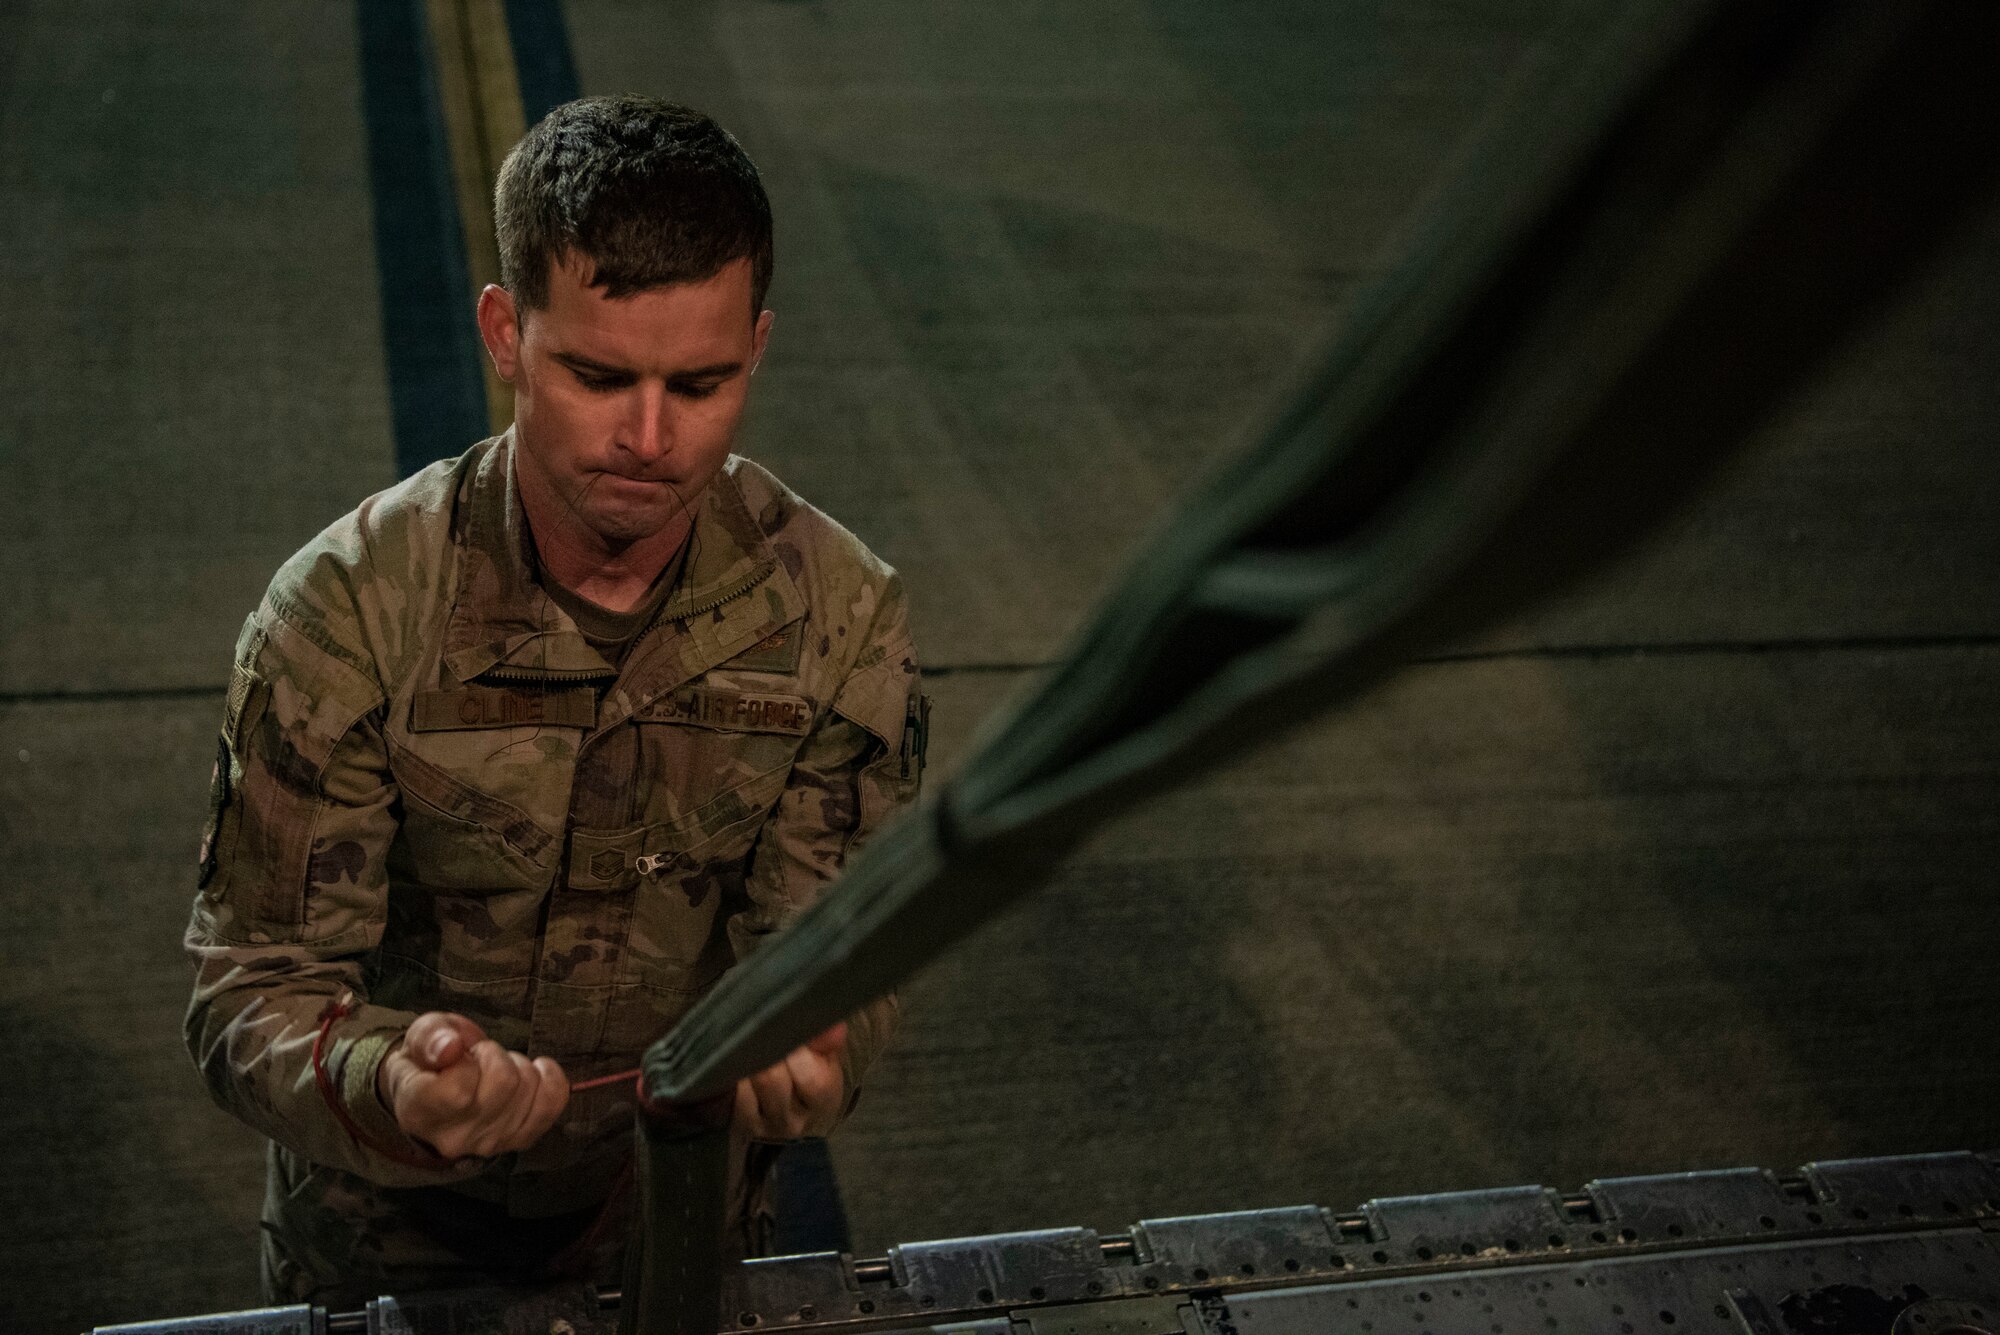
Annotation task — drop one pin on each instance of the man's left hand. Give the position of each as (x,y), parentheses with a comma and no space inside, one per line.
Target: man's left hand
(800,1096)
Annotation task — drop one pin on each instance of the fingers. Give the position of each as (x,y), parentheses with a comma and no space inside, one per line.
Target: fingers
(463,1094)
(552,1097)
(500,1078)
(508,1086)
(431,1105)
(422,1079)
(764,1105)
(510,1096)
(777,1103)
(437,1039)
(831,1043)
(799,1096)
(819,1089)
(542,1095)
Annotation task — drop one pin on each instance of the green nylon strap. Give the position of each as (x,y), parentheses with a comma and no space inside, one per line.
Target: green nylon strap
(1660,241)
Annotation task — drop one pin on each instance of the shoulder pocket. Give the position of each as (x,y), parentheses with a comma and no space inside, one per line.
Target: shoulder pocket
(245,699)
(886,700)
(289,705)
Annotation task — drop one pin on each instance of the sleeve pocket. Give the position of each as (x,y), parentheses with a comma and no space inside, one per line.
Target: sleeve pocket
(886,701)
(287,710)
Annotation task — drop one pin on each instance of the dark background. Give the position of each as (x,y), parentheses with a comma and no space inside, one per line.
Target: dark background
(1697,869)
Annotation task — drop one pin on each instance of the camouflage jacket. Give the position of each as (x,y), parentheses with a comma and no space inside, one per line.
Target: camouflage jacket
(431,791)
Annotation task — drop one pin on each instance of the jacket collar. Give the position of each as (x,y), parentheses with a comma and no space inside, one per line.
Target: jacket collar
(503,624)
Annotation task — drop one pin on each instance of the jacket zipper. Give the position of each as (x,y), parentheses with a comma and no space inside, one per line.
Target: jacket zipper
(545,676)
(750,582)
(577,676)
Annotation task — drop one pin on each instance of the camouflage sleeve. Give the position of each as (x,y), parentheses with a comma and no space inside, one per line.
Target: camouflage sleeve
(861,764)
(293,893)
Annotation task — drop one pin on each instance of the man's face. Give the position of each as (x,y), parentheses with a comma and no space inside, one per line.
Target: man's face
(624,409)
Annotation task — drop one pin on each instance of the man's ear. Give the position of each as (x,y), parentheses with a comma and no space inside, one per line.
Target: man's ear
(500,330)
(759,336)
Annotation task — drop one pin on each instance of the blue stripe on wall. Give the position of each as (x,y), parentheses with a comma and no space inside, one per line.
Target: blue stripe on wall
(436,393)
(541,56)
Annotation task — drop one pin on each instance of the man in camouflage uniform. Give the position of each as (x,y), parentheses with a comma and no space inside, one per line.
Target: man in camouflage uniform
(520,756)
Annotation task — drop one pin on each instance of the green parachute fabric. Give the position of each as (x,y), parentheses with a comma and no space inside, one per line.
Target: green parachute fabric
(1650,249)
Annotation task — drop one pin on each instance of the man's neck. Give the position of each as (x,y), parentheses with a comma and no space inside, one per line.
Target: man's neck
(615,577)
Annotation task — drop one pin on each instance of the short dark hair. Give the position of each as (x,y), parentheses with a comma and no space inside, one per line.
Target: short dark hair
(650,192)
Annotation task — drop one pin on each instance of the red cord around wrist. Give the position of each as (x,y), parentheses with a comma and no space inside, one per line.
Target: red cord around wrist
(339,1008)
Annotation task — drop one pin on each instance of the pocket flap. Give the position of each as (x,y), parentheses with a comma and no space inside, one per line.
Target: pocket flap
(609,860)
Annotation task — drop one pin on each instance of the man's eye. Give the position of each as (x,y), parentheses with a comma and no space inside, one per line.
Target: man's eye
(601,382)
(697,390)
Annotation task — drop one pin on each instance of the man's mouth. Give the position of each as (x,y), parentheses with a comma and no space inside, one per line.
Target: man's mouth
(628,480)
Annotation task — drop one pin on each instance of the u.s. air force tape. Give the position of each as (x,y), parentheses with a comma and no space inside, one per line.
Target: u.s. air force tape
(730,711)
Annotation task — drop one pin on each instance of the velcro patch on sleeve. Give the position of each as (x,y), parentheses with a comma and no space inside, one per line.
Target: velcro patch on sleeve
(731,711)
(475,707)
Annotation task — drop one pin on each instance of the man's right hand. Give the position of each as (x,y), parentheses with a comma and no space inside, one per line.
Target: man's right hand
(455,1090)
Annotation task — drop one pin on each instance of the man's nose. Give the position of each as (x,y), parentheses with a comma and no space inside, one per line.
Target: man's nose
(649,427)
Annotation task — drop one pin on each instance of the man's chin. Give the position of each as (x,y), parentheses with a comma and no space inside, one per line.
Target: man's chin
(626,528)
(632,521)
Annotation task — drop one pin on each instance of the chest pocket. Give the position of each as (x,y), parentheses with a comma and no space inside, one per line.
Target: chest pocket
(716,761)
(681,880)
(705,749)
(485,775)
(681,885)
(469,868)
(465,836)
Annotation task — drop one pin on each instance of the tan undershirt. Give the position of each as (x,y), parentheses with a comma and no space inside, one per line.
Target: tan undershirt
(611,633)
